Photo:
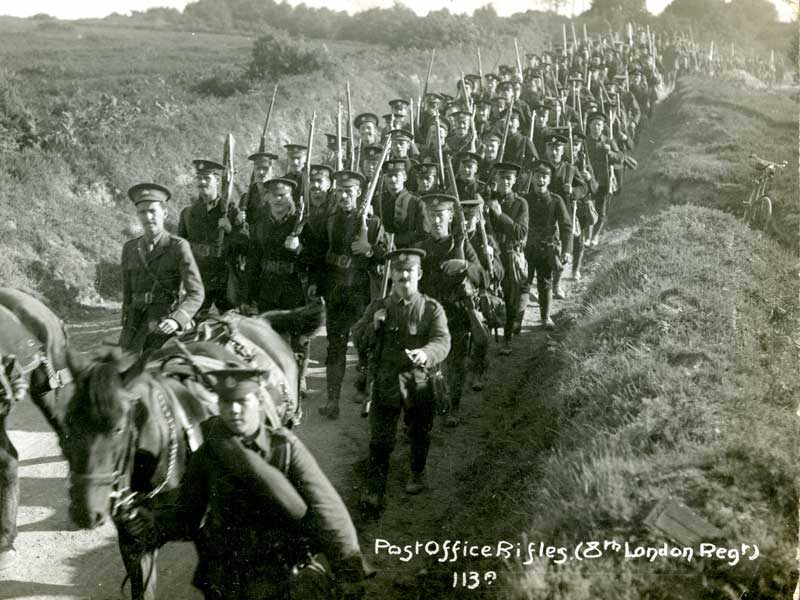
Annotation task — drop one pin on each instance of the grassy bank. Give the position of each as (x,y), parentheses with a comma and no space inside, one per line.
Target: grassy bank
(677,380)
(701,157)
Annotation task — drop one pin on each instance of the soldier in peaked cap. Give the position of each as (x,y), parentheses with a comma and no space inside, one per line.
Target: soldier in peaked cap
(247,499)
(314,239)
(400,114)
(467,182)
(519,148)
(491,150)
(332,144)
(451,280)
(200,225)
(426,178)
(297,155)
(483,111)
(399,209)
(253,201)
(408,336)
(567,183)
(603,154)
(355,246)
(401,143)
(273,280)
(491,85)
(549,223)
(370,159)
(462,138)
(508,215)
(154,266)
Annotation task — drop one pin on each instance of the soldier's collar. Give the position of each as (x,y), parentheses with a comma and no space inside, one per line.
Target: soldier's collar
(260,439)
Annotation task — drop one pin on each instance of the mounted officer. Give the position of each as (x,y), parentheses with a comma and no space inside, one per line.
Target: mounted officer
(154,267)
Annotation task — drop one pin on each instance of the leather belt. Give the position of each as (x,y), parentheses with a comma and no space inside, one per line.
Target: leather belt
(206,250)
(341,261)
(278,266)
(157,297)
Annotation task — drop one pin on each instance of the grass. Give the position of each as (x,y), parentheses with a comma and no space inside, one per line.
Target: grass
(703,158)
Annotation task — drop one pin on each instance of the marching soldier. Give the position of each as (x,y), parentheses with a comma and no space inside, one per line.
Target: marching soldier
(400,117)
(451,280)
(354,245)
(400,210)
(332,159)
(549,223)
(154,267)
(200,225)
(314,239)
(408,335)
(259,508)
(603,154)
(273,278)
(297,155)
(583,212)
(426,178)
(253,201)
(508,215)
(568,184)
(370,159)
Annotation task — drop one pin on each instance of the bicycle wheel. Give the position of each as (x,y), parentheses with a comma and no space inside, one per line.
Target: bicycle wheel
(762,213)
(749,205)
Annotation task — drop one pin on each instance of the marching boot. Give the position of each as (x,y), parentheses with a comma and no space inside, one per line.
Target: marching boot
(597,229)
(544,310)
(558,293)
(331,408)
(417,483)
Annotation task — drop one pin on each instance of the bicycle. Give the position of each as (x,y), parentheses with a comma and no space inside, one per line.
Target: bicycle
(758,206)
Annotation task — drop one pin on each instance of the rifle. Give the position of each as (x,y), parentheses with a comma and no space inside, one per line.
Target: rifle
(519,62)
(480,69)
(427,81)
(350,129)
(439,155)
(305,199)
(574,39)
(411,120)
(377,348)
(572,165)
(366,199)
(458,213)
(339,157)
(262,144)
(502,151)
(564,36)
(227,183)
(467,99)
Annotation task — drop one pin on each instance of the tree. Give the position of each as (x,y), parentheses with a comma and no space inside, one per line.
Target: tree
(618,11)
(697,11)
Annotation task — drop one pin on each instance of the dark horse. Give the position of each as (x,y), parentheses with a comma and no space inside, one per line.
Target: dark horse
(132,424)
(34,339)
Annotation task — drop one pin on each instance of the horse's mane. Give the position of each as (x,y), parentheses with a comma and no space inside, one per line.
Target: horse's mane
(96,404)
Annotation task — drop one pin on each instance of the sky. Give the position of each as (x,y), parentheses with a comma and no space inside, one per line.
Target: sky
(80,9)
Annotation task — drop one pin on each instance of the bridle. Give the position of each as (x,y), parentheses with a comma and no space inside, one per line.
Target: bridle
(121,496)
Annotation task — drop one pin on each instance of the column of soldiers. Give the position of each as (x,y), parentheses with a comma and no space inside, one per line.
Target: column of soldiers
(412,273)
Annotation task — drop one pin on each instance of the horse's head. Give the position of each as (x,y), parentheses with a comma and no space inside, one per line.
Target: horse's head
(98,435)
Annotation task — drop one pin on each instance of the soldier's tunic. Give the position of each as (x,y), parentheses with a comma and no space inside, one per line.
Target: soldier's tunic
(456,294)
(418,322)
(273,271)
(198,226)
(151,286)
(602,162)
(246,547)
(519,150)
(511,230)
(348,289)
(254,203)
(550,230)
(402,215)
(314,242)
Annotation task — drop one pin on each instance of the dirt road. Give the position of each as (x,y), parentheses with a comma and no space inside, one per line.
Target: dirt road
(57,562)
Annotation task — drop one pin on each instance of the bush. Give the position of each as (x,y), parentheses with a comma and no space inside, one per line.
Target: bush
(222,84)
(277,54)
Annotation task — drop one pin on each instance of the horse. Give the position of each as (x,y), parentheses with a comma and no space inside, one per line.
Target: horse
(132,423)
(32,340)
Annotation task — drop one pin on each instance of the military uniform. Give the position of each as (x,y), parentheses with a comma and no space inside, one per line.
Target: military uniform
(511,230)
(455,292)
(259,509)
(198,224)
(602,162)
(549,236)
(418,322)
(401,213)
(348,287)
(151,281)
